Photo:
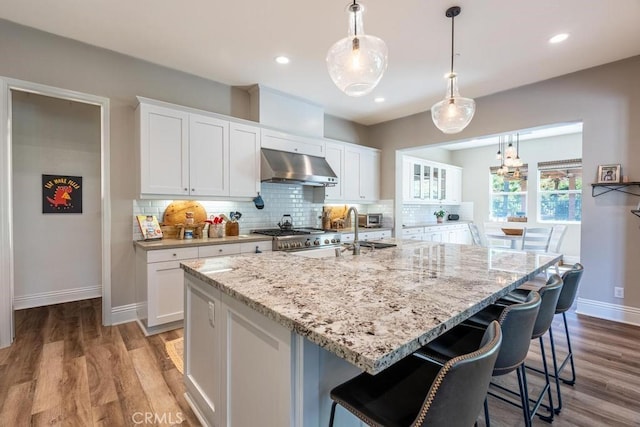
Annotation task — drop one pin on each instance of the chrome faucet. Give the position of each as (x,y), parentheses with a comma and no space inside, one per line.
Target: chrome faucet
(356,243)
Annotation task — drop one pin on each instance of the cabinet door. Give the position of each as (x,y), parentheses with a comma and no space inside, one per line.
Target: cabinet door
(165,292)
(369,175)
(351,174)
(454,185)
(164,150)
(208,156)
(292,143)
(335,158)
(244,160)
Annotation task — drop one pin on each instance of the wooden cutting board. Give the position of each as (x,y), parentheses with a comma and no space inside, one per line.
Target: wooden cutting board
(176,212)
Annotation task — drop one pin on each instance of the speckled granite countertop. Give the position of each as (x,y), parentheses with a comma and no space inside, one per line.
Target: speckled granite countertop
(150,245)
(376,308)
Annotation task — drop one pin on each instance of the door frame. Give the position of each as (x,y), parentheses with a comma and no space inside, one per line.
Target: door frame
(7,85)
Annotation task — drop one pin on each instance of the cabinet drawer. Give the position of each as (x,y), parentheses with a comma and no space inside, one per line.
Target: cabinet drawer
(172,254)
(250,247)
(408,232)
(219,250)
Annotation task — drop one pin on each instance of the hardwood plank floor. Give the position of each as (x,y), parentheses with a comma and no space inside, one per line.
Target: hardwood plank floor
(66,369)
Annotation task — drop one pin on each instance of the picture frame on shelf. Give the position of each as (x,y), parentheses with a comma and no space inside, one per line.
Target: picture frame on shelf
(608,174)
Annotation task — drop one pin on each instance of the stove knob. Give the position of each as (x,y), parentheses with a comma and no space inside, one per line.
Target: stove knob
(285,245)
(299,244)
(333,240)
(307,243)
(316,242)
(338,240)
(326,241)
(280,246)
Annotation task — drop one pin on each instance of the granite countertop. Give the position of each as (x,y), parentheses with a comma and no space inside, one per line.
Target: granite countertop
(376,308)
(149,245)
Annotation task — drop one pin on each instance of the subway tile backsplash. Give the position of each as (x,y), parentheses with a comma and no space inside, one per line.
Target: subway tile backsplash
(279,199)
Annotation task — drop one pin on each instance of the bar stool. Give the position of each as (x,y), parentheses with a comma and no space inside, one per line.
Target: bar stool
(516,322)
(549,294)
(416,392)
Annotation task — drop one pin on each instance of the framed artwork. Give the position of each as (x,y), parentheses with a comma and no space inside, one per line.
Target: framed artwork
(608,174)
(61,194)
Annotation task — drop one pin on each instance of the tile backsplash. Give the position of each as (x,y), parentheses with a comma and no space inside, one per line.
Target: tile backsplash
(279,199)
(413,214)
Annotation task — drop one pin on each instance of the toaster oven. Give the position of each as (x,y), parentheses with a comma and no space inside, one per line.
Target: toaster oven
(370,220)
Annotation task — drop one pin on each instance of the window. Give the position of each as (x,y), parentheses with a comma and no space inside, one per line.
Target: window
(508,195)
(560,191)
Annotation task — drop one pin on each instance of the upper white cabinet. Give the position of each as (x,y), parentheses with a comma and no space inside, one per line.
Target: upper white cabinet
(335,158)
(164,150)
(208,156)
(361,174)
(183,153)
(292,143)
(244,160)
(430,182)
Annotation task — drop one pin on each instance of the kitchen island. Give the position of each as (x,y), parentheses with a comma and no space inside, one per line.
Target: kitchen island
(267,336)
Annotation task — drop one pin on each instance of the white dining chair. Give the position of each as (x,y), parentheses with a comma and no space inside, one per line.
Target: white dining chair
(536,239)
(557,236)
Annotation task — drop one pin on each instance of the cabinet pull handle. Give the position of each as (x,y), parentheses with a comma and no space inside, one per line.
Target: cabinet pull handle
(175,255)
(193,189)
(186,189)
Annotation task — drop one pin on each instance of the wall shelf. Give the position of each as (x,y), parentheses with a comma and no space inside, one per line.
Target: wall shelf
(623,187)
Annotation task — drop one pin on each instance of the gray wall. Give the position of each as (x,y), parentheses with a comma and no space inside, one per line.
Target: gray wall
(475,179)
(42,58)
(607,100)
(55,252)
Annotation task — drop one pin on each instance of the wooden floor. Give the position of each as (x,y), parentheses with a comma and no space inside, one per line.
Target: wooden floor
(65,369)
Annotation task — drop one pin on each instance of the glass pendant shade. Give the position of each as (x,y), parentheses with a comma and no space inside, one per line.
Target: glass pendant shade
(454,112)
(357,62)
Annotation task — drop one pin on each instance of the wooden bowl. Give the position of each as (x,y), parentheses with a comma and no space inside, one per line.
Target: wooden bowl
(512,231)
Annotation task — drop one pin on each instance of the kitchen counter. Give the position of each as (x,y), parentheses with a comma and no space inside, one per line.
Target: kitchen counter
(376,308)
(149,245)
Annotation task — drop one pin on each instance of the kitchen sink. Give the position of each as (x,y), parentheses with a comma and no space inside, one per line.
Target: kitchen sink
(377,245)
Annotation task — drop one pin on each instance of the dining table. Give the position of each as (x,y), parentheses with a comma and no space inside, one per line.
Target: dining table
(514,240)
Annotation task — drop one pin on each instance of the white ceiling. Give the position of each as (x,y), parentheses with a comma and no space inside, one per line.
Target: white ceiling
(501,44)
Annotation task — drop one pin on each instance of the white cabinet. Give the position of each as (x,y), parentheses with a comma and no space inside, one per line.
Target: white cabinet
(184,153)
(164,150)
(292,143)
(366,234)
(335,158)
(233,354)
(208,156)
(427,182)
(361,174)
(244,160)
(413,233)
(159,289)
(456,233)
(160,280)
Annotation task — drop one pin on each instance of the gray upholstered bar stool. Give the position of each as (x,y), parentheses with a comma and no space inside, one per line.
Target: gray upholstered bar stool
(549,295)
(516,322)
(416,392)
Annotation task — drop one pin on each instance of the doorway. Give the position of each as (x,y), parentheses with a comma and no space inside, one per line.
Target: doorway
(53,276)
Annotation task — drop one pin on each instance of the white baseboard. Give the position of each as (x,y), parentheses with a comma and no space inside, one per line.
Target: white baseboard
(608,311)
(124,313)
(56,297)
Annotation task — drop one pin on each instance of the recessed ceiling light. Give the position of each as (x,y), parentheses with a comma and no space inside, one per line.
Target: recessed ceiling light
(559,38)
(282,60)
(378,99)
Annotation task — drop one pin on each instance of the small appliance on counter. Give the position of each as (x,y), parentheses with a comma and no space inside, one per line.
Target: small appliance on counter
(370,220)
(453,217)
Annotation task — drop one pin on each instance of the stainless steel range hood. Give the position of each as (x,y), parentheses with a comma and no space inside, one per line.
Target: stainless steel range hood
(285,167)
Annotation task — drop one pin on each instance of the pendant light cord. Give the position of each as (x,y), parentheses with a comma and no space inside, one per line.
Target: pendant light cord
(355,20)
(452,50)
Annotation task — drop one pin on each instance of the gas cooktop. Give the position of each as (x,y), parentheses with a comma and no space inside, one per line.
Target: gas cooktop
(276,232)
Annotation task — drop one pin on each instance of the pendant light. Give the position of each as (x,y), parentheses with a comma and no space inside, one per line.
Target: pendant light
(453,113)
(357,62)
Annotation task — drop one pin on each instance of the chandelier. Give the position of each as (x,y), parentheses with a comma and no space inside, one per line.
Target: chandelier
(510,161)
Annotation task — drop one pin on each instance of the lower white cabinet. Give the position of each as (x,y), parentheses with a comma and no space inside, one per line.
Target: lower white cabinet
(232,355)
(160,281)
(457,233)
(368,234)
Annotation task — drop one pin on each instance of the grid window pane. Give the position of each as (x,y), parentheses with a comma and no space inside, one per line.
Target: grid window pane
(560,195)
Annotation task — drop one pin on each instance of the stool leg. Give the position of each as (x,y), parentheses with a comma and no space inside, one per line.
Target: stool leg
(547,384)
(572,381)
(524,394)
(487,420)
(333,413)
(556,374)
